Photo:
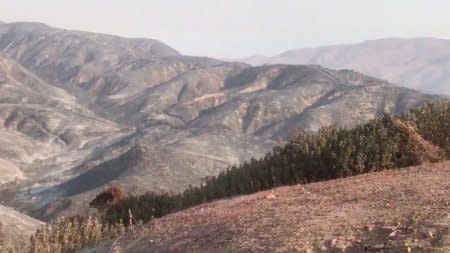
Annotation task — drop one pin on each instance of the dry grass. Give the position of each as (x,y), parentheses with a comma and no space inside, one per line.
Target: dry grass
(67,235)
(394,211)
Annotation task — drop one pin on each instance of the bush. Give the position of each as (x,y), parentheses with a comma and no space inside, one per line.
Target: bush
(108,198)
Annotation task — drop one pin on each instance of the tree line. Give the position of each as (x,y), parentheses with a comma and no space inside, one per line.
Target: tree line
(387,142)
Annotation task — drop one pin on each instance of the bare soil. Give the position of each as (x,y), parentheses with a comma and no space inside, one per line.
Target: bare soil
(405,210)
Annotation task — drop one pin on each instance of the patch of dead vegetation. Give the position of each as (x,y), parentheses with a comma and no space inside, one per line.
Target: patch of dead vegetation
(424,150)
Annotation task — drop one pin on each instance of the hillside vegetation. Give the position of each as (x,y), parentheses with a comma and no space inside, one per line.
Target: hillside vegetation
(66,235)
(423,135)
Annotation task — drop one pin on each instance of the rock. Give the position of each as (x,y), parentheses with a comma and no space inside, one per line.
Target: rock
(271,196)
(394,234)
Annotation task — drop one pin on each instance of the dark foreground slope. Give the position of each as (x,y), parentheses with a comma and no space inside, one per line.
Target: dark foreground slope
(392,211)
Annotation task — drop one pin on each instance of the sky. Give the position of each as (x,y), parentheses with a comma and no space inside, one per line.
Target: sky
(239,28)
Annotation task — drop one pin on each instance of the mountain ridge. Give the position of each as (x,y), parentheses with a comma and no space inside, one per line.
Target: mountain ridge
(419,63)
(112,97)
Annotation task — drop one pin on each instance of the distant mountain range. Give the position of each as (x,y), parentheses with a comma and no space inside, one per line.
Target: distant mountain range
(419,63)
(81,111)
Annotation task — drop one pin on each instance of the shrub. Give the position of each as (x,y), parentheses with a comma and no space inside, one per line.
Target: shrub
(107,198)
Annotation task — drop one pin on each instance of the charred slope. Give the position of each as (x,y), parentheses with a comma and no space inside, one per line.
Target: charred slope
(73,104)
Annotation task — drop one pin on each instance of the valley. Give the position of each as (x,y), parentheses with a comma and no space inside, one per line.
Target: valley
(87,105)
(81,112)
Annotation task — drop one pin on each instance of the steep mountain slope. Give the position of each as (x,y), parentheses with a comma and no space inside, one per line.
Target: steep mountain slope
(421,63)
(98,68)
(43,128)
(81,111)
(15,227)
(391,211)
(240,119)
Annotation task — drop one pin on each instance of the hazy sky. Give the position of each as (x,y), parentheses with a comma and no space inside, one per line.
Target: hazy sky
(237,28)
